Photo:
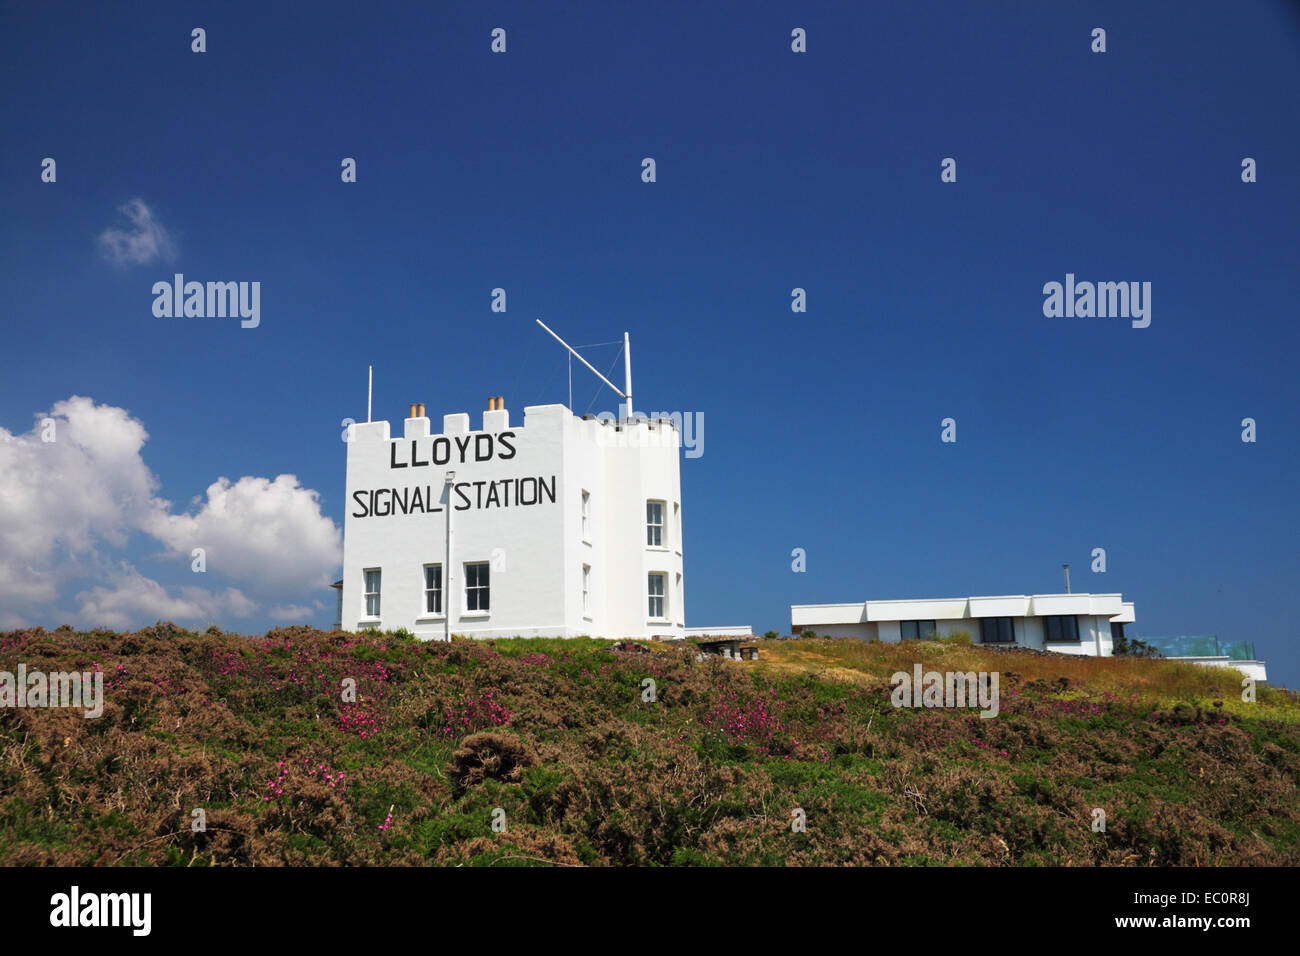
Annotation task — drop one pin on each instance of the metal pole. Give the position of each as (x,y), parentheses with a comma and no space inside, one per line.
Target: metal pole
(446,572)
(627,373)
(1066,568)
(370,393)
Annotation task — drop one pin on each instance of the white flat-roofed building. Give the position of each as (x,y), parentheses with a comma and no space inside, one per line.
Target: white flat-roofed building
(1070,623)
(559,527)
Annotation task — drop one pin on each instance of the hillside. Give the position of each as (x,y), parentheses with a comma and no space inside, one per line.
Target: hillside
(556,734)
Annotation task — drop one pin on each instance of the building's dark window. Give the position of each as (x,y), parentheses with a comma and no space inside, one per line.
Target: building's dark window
(997,630)
(917,630)
(1116,630)
(1061,629)
(433,589)
(476,587)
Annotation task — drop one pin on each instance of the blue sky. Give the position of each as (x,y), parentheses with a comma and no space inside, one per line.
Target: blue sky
(775,170)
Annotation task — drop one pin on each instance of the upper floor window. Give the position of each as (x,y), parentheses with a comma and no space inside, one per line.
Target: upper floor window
(1061,629)
(476,586)
(372,592)
(654,524)
(586,516)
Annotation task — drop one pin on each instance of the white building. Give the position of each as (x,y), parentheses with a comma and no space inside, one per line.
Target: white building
(559,526)
(1070,623)
(1067,623)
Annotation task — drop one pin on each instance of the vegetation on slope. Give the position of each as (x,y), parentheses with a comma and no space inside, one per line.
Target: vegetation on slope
(555,740)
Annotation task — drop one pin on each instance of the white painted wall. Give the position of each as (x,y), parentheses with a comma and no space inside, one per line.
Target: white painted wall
(536,552)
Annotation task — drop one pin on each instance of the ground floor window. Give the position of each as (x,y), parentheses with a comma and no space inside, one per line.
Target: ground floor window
(917,630)
(476,586)
(1061,628)
(657,588)
(372,592)
(586,589)
(997,630)
(433,589)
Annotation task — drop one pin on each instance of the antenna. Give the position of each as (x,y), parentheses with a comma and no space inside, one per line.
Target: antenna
(627,374)
(370,393)
(627,367)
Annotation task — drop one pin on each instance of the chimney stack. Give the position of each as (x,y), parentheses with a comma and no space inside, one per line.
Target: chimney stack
(413,408)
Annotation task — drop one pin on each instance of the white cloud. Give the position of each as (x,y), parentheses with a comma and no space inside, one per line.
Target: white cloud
(144,242)
(134,599)
(269,534)
(292,612)
(68,508)
(60,500)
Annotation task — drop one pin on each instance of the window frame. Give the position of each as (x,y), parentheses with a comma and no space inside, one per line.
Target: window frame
(376,594)
(586,515)
(985,625)
(1050,619)
(661,596)
(661,526)
(439,590)
(921,634)
(478,587)
(586,590)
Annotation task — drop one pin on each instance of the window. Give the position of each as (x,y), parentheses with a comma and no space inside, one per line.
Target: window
(677,524)
(1061,629)
(657,596)
(586,516)
(372,592)
(917,630)
(433,589)
(997,630)
(476,586)
(586,589)
(654,524)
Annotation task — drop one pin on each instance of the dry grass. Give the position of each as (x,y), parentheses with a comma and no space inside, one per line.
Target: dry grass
(1167,682)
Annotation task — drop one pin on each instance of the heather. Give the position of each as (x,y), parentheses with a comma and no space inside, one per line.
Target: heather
(557,741)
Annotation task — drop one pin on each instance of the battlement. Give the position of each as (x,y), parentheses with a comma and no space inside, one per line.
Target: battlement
(662,429)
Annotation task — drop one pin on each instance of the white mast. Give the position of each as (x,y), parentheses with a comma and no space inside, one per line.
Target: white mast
(370,393)
(627,373)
